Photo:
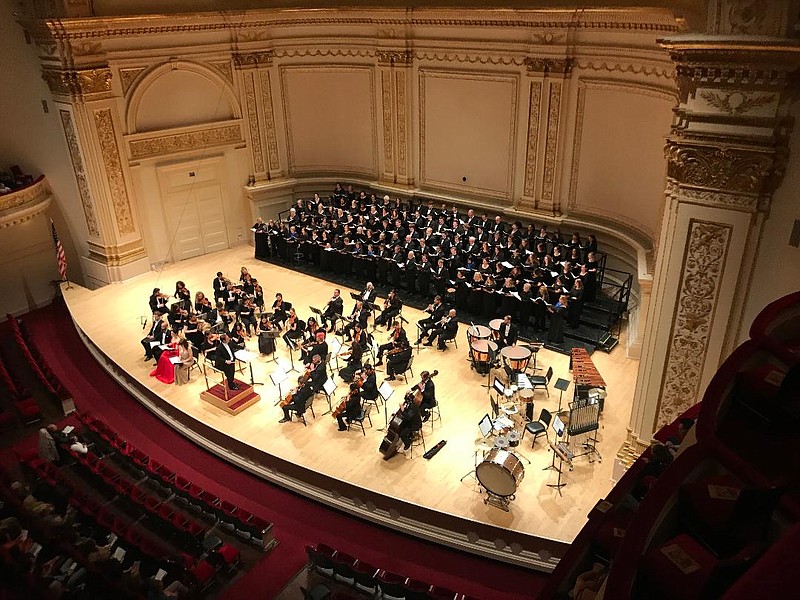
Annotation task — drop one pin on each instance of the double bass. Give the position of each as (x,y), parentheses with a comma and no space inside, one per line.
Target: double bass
(391,441)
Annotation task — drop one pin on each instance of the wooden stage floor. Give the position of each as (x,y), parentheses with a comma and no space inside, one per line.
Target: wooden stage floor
(111,318)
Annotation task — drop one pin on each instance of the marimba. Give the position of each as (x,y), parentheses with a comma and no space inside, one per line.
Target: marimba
(583,370)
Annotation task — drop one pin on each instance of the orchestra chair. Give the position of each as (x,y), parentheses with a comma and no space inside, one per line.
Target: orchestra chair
(435,414)
(408,370)
(419,439)
(453,340)
(364,414)
(537,428)
(538,381)
(309,405)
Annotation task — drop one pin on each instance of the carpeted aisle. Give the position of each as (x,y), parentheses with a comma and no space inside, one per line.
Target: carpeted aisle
(297,521)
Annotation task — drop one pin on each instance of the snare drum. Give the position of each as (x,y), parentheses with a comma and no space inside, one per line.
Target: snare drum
(513,439)
(500,473)
(501,442)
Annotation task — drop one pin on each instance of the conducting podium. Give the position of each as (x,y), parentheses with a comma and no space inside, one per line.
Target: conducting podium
(231,401)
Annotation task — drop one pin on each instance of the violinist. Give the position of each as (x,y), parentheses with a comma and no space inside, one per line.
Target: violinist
(391,308)
(158,303)
(318,373)
(397,340)
(220,285)
(398,361)
(279,309)
(294,330)
(183,295)
(247,315)
(358,317)
(209,346)
(202,305)
(237,337)
(299,397)
(354,355)
(178,317)
(352,407)
(258,295)
(369,385)
(319,346)
(334,309)
(233,296)
(427,389)
(411,421)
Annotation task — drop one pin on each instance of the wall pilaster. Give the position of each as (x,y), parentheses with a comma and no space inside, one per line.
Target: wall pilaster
(394,72)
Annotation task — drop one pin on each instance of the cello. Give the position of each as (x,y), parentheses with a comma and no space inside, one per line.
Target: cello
(391,440)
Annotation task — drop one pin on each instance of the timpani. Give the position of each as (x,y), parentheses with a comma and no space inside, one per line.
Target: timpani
(517,357)
(482,352)
(495,325)
(478,332)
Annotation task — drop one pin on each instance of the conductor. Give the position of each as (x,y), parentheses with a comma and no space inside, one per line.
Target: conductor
(225,362)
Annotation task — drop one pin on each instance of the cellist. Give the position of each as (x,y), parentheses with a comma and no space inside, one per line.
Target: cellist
(411,420)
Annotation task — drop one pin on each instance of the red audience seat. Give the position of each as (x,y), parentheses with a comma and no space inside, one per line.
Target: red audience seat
(204,575)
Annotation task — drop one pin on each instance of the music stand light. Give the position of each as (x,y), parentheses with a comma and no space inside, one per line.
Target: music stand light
(561,385)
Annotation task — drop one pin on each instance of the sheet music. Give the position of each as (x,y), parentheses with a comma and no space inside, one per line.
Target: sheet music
(244,355)
(175,360)
(523,382)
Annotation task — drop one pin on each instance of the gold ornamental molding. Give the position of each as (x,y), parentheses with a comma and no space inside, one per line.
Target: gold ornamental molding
(80,173)
(104,123)
(388,110)
(704,259)
(723,168)
(78,84)
(737,103)
(400,87)
(548,66)
(533,138)
(128,76)
(117,255)
(551,144)
(249,60)
(184,141)
(269,122)
(22,205)
(395,57)
(256,148)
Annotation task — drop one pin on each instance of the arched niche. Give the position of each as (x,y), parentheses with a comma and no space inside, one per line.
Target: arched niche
(179,94)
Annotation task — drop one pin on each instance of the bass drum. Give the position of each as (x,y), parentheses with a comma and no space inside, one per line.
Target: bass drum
(500,473)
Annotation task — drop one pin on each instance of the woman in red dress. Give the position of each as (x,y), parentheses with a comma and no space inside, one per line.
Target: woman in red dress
(165,370)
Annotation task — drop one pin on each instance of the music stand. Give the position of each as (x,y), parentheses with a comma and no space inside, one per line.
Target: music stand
(356,297)
(334,347)
(316,311)
(563,454)
(386,392)
(246,356)
(278,377)
(273,335)
(561,385)
(329,387)
(419,336)
(291,358)
(486,428)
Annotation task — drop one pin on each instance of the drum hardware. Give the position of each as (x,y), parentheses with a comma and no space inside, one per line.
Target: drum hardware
(499,474)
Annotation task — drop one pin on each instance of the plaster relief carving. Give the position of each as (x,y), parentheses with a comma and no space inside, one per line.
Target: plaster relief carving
(400,87)
(400,57)
(86,48)
(549,38)
(244,60)
(77,83)
(749,17)
(386,105)
(224,67)
(181,142)
(252,122)
(742,202)
(80,173)
(736,103)
(116,180)
(551,142)
(127,77)
(533,138)
(269,121)
(698,292)
(730,170)
(561,66)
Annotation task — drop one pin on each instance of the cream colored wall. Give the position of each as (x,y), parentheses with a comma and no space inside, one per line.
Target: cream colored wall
(620,174)
(777,268)
(35,141)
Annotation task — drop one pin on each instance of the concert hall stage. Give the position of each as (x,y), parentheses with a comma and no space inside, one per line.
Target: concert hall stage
(344,469)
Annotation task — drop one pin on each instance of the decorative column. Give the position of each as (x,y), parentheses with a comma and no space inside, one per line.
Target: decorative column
(547,78)
(725,158)
(254,70)
(394,70)
(88,110)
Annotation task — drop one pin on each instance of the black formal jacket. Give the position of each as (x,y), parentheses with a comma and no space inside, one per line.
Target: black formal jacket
(221,356)
(369,388)
(511,337)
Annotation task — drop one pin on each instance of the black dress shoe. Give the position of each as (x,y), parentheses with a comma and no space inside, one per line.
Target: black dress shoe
(284,420)
(233,387)
(428,344)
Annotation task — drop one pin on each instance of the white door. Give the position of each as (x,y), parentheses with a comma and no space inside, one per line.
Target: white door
(197,222)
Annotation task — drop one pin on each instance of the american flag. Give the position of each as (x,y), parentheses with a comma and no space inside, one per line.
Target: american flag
(61,258)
